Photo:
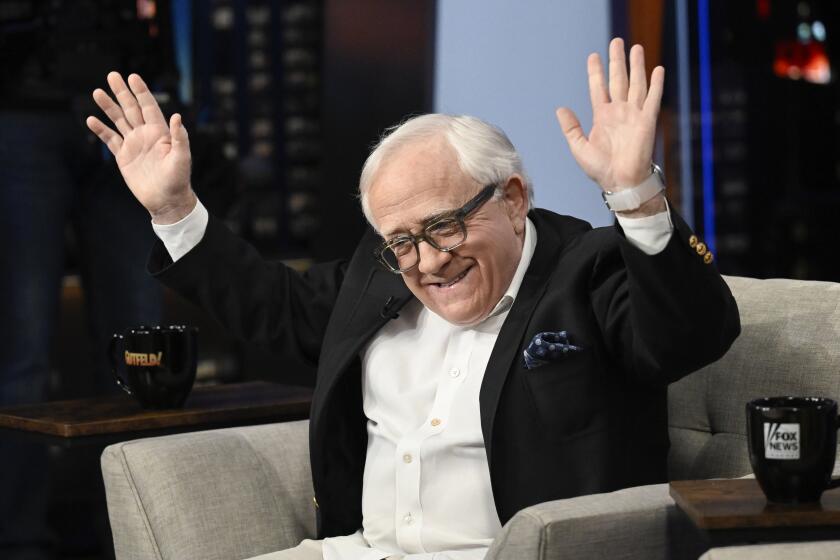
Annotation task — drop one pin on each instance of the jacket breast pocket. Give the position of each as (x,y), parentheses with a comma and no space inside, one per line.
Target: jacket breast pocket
(566,397)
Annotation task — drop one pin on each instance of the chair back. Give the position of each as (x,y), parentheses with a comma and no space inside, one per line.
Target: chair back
(789,345)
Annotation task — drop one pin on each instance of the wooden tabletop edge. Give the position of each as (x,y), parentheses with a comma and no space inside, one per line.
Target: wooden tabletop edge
(199,417)
(686,506)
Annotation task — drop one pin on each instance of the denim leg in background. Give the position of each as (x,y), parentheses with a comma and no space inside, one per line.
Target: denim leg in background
(52,173)
(114,236)
(35,197)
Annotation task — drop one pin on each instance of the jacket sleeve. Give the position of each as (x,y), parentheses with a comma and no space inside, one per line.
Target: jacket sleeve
(264,303)
(663,316)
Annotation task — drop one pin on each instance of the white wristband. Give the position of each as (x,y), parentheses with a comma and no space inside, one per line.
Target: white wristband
(633,198)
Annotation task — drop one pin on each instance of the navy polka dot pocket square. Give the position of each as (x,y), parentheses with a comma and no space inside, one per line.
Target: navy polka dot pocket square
(548,347)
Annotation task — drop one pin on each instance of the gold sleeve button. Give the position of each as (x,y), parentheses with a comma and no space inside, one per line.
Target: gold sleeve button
(692,241)
(701,249)
(708,257)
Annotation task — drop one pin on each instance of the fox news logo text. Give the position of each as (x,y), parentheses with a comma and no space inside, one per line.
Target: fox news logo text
(781,441)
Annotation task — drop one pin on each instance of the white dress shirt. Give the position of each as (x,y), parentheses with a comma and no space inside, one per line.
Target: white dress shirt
(426,491)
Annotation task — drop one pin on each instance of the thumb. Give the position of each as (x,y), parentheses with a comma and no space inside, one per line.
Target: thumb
(570,125)
(180,139)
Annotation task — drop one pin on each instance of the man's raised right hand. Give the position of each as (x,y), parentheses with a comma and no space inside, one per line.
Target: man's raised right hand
(154,158)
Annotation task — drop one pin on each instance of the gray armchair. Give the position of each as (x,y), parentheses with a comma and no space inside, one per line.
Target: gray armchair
(240,492)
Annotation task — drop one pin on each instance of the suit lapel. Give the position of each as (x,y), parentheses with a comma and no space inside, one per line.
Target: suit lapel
(509,344)
(381,298)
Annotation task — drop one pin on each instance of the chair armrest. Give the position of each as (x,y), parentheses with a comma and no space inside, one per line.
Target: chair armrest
(221,494)
(813,550)
(635,523)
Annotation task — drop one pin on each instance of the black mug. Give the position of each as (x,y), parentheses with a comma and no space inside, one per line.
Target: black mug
(159,364)
(792,443)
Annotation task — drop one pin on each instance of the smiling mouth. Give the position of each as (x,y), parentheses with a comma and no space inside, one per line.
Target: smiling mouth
(454,281)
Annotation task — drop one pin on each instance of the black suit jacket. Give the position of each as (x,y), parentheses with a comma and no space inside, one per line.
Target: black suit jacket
(591,422)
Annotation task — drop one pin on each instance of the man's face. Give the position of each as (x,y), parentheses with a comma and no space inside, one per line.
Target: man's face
(423,179)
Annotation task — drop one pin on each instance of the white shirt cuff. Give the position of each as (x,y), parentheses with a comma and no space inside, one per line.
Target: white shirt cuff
(180,238)
(649,234)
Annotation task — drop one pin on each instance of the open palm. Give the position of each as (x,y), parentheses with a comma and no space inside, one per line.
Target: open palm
(617,152)
(153,157)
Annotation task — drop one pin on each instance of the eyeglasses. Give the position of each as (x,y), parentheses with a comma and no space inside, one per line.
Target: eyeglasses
(444,233)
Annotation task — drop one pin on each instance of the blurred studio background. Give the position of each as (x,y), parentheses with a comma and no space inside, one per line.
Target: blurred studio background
(284,98)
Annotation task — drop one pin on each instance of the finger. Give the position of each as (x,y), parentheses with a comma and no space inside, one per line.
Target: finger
(114,111)
(597,87)
(654,96)
(126,99)
(107,135)
(180,139)
(570,125)
(618,71)
(638,80)
(148,105)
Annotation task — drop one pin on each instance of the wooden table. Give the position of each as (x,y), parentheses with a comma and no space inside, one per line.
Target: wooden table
(117,418)
(736,511)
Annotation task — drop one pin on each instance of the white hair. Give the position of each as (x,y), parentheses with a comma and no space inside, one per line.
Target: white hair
(484,152)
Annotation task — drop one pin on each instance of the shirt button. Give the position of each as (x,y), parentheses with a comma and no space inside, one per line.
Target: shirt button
(408,520)
(407,458)
(436,421)
(454,372)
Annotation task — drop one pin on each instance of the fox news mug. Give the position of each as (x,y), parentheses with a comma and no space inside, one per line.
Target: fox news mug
(158,364)
(792,443)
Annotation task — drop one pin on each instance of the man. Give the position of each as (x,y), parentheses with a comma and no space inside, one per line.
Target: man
(474,356)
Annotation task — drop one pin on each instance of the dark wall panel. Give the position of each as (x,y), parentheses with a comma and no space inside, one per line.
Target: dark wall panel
(378,69)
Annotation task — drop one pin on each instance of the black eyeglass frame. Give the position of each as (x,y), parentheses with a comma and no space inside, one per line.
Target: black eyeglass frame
(459,215)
